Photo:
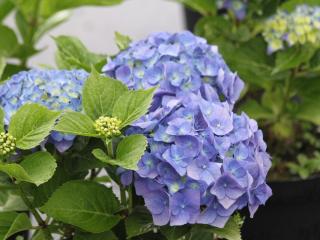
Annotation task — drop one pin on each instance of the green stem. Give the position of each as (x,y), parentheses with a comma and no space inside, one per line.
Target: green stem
(110,149)
(130,200)
(123,199)
(31,208)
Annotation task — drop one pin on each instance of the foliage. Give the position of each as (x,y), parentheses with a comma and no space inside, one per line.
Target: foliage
(281,73)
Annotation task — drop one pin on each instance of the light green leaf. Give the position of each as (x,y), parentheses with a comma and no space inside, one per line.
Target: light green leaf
(41,235)
(138,222)
(130,151)
(100,94)
(2,65)
(97,236)
(292,4)
(132,105)
(122,41)
(31,124)
(48,7)
(87,205)
(36,168)
(76,123)
(73,54)
(10,199)
(293,57)
(51,23)
(102,156)
(8,41)
(11,223)
(5,8)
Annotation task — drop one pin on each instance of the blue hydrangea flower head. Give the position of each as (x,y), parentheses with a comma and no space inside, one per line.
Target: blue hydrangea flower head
(298,27)
(203,162)
(55,89)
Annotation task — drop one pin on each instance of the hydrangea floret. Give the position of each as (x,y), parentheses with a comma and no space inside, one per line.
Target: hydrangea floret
(7,143)
(237,7)
(55,89)
(108,126)
(298,27)
(203,161)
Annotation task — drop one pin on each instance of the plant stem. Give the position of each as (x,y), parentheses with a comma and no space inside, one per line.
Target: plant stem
(130,200)
(31,208)
(110,149)
(123,199)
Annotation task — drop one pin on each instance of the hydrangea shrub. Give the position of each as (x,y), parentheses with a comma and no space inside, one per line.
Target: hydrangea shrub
(204,161)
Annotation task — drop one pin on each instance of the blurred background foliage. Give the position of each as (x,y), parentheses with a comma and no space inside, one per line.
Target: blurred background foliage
(282,87)
(33,19)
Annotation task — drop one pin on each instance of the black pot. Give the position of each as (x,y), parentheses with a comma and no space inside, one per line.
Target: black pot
(292,213)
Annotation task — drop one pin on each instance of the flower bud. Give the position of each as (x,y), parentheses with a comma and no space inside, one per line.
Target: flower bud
(7,143)
(108,126)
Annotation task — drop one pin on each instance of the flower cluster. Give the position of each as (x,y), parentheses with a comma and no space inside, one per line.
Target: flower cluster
(299,27)
(237,7)
(58,90)
(203,161)
(7,143)
(108,126)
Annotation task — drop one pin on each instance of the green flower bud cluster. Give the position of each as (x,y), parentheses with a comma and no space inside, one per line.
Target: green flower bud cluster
(7,143)
(299,27)
(108,126)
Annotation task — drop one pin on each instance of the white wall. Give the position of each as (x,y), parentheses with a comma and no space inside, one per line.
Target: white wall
(95,26)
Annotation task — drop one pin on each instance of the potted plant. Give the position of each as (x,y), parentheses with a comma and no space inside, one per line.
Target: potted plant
(274,47)
(144,146)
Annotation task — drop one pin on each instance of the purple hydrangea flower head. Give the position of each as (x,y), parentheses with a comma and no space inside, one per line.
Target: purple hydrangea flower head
(203,161)
(237,7)
(55,89)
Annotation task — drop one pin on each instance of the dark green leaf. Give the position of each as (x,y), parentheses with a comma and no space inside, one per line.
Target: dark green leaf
(11,223)
(1,120)
(31,124)
(256,110)
(36,168)
(97,236)
(132,105)
(100,94)
(130,151)
(205,7)
(87,205)
(8,41)
(76,123)
(10,199)
(138,222)
(292,4)
(175,232)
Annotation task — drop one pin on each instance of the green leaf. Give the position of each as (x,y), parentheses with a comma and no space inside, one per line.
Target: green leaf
(11,223)
(72,54)
(8,41)
(10,200)
(5,8)
(87,205)
(292,4)
(175,232)
(100,94)
(102,156)
(231,230)
(204,7)
(41,235)
(48,7)
(50,23)
(130,151)
(36,168)
(98,236)
(138,222)
(31,124)
(1,120)
(132,105)
(122,41)
(293,57)
(76,123)
(256,110)
(2,66)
